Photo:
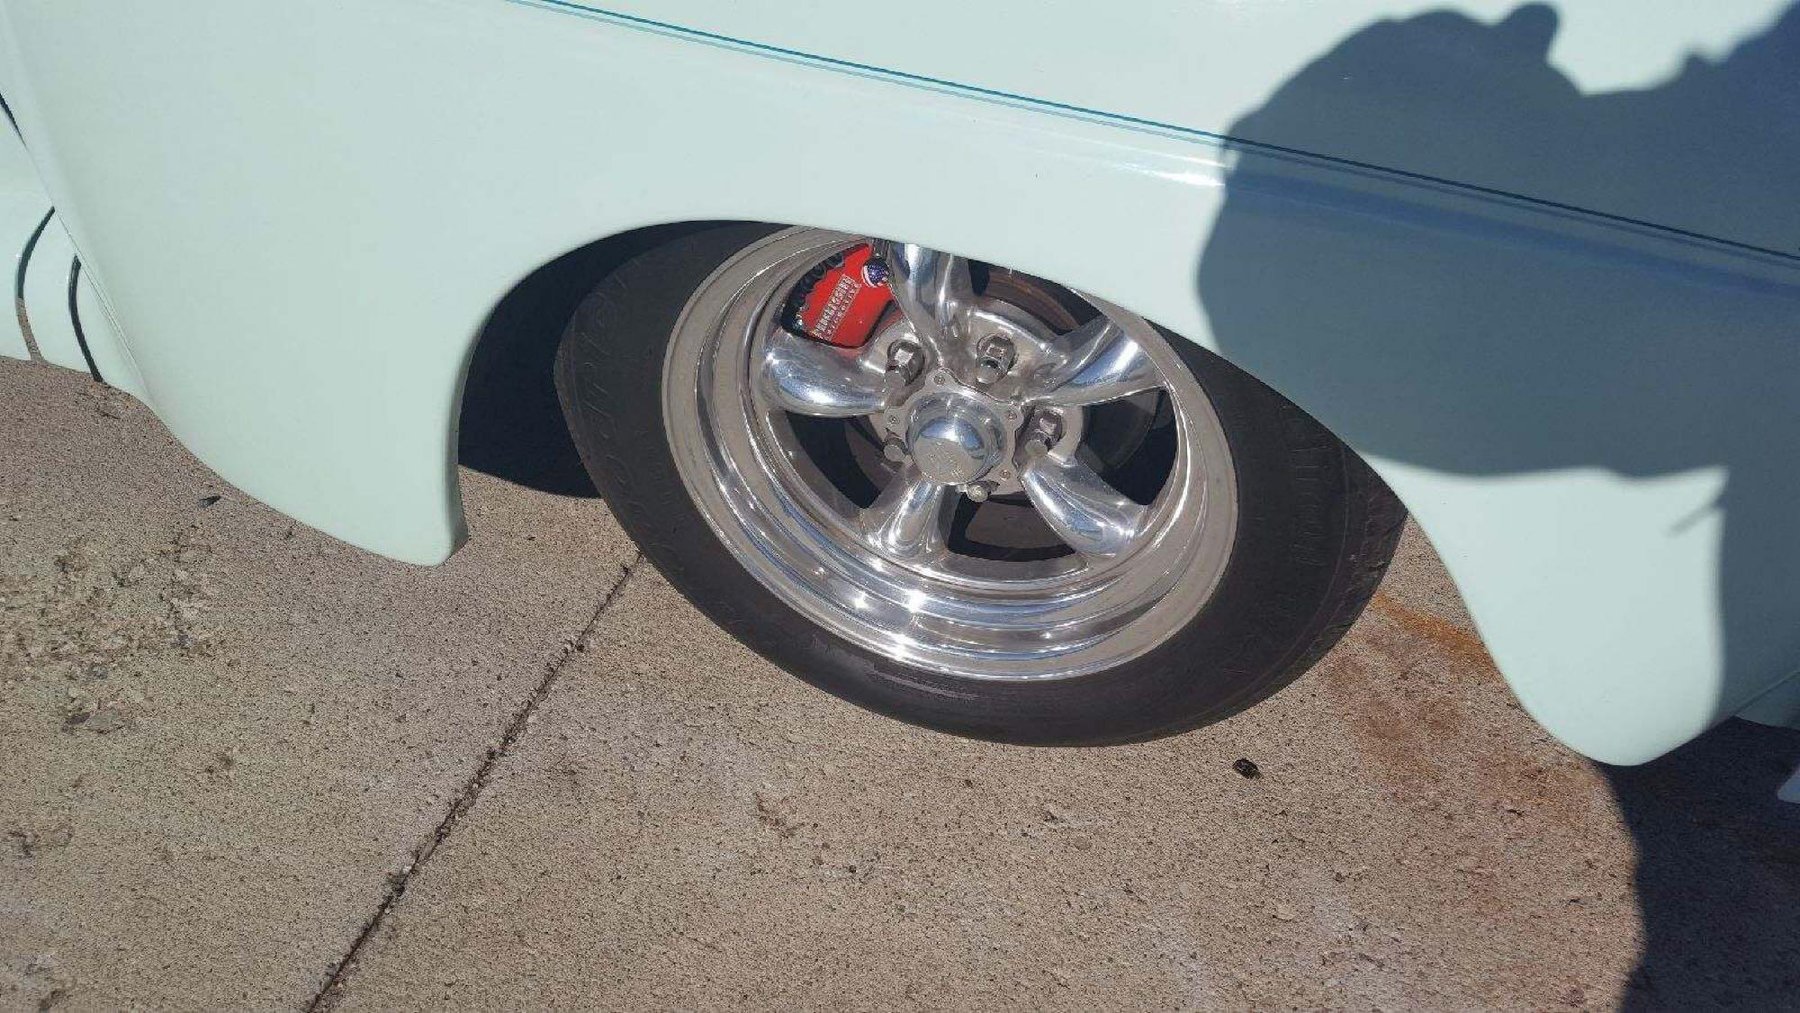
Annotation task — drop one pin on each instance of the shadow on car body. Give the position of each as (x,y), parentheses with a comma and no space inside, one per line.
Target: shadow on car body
(1482,359)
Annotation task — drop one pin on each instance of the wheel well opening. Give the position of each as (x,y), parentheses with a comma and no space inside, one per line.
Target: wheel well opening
(510,424)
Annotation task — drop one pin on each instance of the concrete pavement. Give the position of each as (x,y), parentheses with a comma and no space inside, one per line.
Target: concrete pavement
(249,767)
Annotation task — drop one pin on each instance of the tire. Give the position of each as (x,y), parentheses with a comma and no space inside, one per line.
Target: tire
(1316,529)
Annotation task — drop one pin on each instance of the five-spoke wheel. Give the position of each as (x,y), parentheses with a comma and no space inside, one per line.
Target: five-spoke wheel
(981,390)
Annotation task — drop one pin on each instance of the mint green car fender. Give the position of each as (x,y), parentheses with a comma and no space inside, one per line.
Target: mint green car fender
(300,217)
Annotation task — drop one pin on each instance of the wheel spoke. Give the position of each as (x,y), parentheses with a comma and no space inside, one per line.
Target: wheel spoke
(1073,352)
(1104,364)
(911,518)
(1091,516)
(809,377)
(932,288)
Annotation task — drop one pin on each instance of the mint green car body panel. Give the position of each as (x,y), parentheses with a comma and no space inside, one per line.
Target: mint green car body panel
(1571,362)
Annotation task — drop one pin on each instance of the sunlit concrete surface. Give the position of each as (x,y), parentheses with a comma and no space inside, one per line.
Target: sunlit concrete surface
(248,767)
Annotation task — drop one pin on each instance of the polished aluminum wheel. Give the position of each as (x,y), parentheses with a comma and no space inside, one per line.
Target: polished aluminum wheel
(1009,480)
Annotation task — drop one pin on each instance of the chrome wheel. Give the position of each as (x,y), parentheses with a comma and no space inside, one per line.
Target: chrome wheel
(855,483)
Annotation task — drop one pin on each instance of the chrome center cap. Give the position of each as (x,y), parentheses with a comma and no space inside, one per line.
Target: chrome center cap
(954,438)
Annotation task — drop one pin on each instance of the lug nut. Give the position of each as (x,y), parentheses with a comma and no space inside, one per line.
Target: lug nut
(1044,432)
(905,362)
(978,491)
(907,359)
(996,356)
(894,451)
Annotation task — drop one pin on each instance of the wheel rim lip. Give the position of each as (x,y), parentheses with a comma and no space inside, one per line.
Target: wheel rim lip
(986,621)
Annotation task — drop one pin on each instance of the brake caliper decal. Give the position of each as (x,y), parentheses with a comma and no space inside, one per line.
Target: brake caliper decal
(842,304)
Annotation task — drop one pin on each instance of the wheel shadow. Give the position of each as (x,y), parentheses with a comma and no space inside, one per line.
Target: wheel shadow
(1486,359)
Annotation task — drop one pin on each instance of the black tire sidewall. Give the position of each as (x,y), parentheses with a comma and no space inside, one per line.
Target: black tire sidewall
(1299,554)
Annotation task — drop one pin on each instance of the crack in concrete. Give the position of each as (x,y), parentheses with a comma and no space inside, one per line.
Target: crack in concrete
(329,994)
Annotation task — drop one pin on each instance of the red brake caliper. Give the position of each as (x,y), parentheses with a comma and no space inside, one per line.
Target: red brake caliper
(842,305)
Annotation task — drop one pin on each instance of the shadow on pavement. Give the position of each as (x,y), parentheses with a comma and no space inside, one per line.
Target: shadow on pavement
(1718,871)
